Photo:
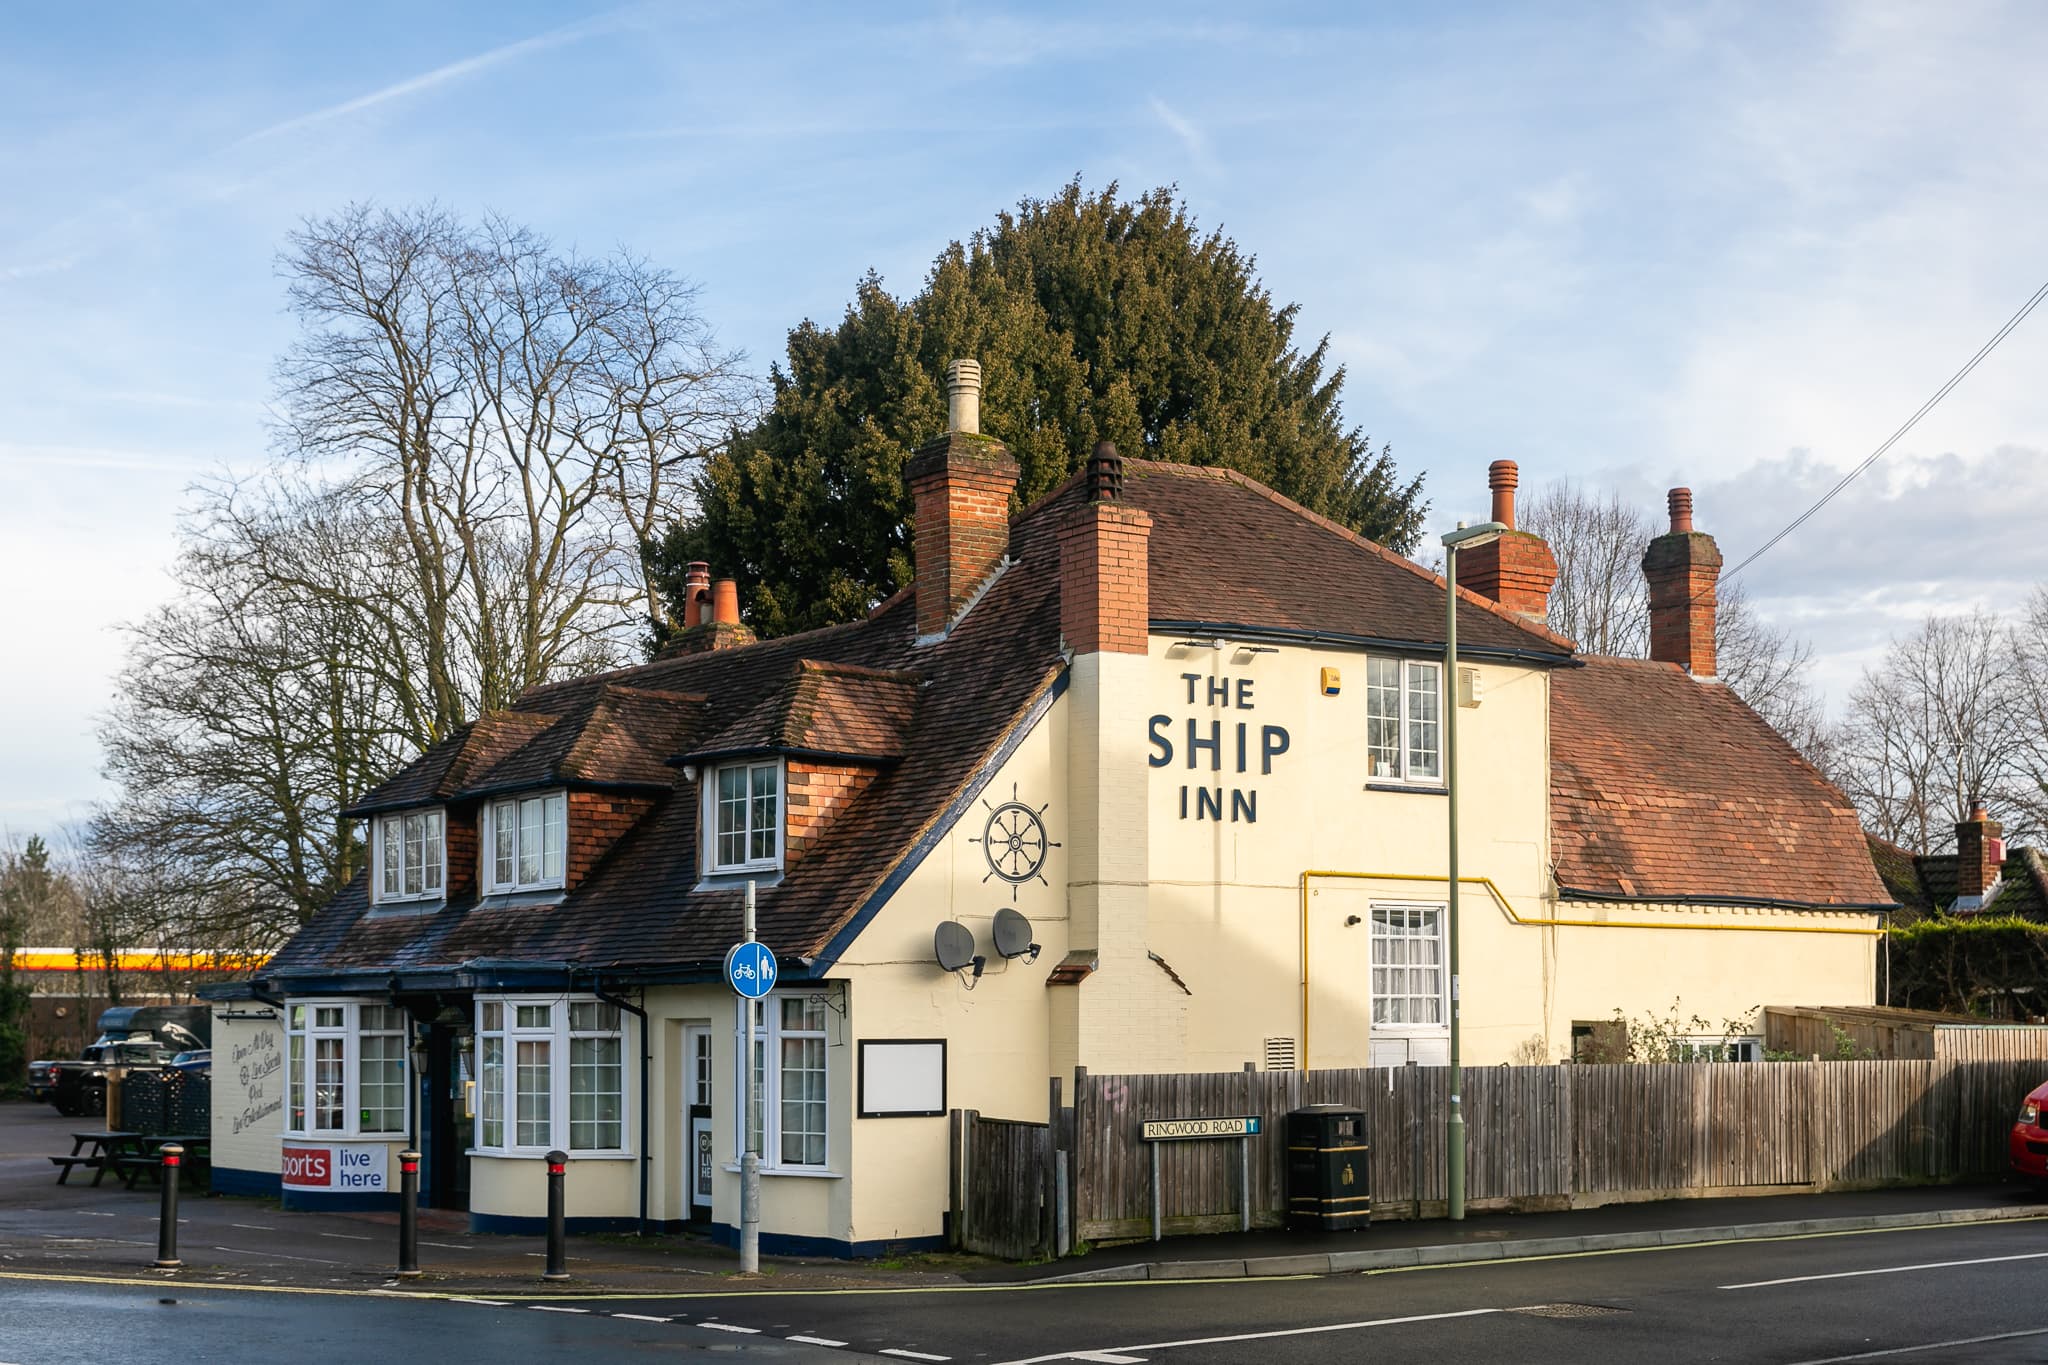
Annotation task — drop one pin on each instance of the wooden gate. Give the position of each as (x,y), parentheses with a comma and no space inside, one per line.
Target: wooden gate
(1003,1193)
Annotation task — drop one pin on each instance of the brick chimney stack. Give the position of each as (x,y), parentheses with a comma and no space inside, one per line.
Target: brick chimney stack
(1517,570)
(1105,565)
(711,615)
(1980,849)
(1683,565)
(961,486)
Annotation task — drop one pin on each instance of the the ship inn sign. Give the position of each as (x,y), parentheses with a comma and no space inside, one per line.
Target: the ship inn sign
(1168,1130)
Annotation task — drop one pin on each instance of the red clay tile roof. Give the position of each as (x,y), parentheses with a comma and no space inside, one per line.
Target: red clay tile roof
(1925,884)
(1664,788)
(826,708)
(448,767)
(609,735)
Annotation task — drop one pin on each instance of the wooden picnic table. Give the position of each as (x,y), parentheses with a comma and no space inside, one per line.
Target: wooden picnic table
(106,1144)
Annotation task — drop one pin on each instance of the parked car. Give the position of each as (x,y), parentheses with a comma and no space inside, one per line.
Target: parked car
(2029,1142)
(42,1079)
(198,1060)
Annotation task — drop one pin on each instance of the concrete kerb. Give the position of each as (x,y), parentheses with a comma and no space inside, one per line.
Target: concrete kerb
(1459,1253)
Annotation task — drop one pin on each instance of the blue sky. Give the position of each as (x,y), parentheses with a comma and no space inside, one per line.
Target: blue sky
(1727,245)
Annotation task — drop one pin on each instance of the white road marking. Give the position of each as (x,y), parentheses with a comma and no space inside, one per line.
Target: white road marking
(449,1246)
(554,1308)
(638,1317)
(1253,1336)
(815,1341)
(252,1227)
(728,1327)
(494,1303)
(278,1255)
(1107,1358)
(1930,1346)
(351,1237)
(909,1355)
(1887,1270)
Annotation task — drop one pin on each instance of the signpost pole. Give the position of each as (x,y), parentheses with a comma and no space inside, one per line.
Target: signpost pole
(750,1161)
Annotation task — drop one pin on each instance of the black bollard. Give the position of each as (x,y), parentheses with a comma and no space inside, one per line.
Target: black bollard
(167,1216)
(408,1215)
(558,1251)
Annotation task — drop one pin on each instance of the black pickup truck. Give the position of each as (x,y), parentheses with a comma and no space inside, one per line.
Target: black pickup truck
(131,1036)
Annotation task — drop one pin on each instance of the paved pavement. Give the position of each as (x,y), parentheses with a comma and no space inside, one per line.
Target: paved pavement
(77,1229)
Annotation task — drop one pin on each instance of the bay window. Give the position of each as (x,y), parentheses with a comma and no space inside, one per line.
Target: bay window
(1403,720)
(410,856)
(787,1125)
(345,1069)
(550,1073)
(745,816)
(524,841)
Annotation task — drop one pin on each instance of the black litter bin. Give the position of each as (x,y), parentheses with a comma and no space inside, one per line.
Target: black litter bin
(1329,1179)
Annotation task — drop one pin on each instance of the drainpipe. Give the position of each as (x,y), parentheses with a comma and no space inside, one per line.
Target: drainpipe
(646,1058)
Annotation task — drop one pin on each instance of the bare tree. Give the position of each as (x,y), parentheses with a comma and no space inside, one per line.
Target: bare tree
(1939,726)
(517,417)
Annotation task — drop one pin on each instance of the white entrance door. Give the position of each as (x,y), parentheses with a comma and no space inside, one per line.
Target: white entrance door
(697,1116)
(1410,992)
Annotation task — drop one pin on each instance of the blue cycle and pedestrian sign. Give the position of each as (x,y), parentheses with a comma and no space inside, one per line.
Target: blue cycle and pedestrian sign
(750,968)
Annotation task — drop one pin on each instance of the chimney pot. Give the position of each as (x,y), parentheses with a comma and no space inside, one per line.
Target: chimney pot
(1105,473)
(963,397)
(725,602)
(696,594)
(1502,477)
(1679,501)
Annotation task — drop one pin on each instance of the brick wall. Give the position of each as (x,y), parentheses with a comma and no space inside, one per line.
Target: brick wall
(812,794)
(1105,595)
(598,820)
(1682,569)
(461,868)
(961,485)
(1517,571)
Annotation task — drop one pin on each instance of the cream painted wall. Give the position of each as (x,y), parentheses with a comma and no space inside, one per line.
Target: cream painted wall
(248,1090)
(517,1187)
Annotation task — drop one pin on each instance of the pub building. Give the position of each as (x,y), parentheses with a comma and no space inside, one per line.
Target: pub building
(1145,777)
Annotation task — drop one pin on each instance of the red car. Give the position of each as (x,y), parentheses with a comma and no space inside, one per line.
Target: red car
(2029,1143)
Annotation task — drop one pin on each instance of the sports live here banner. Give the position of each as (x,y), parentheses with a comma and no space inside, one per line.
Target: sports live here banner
(335,1168)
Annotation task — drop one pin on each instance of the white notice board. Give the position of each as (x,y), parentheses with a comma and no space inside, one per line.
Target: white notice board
(902,1077)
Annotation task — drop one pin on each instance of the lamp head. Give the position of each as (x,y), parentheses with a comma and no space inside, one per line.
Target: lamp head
(1466,536)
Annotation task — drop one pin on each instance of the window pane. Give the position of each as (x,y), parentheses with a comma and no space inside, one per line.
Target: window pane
(504,835)
(491,1084)
(593,1016)
(803,1101)
(493,1015)
(532,1093)
(536,1016)
(380,1018)
(529,840)
(732,817)
(415,853)
(389,846)
(430,875)
(327,1016)
(328,1086)
(1383,718)
(1424,709)
(380,1086)
(765,822)
(295,1076)
(596,1104)
(556,811)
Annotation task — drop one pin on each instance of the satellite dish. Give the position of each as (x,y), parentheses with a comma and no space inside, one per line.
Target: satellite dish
(953,945)
(1013,934)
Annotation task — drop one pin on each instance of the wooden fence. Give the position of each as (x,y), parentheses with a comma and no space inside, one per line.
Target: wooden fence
(1882,1032)
(1537,1137)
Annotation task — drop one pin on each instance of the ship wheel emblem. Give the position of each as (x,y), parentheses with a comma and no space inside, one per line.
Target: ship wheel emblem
(1014,842)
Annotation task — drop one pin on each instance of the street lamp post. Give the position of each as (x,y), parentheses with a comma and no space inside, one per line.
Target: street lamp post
(1454,1123)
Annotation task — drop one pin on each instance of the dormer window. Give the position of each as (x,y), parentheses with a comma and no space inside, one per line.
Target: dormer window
(410,856)
(524,838)
(745,816)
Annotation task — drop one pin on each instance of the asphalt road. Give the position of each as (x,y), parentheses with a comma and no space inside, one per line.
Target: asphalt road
(1938,1295)
(1947,1295)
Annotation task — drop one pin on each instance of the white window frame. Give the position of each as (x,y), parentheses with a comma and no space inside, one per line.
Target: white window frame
(768,1037)
(1714,1048)
(1406,749)
(487,856)
(1442,1023)
(381,827)
(557,1033)
(711,809)
(304,1029)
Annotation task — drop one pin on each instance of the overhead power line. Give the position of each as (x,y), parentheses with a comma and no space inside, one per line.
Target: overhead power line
(1986,349)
